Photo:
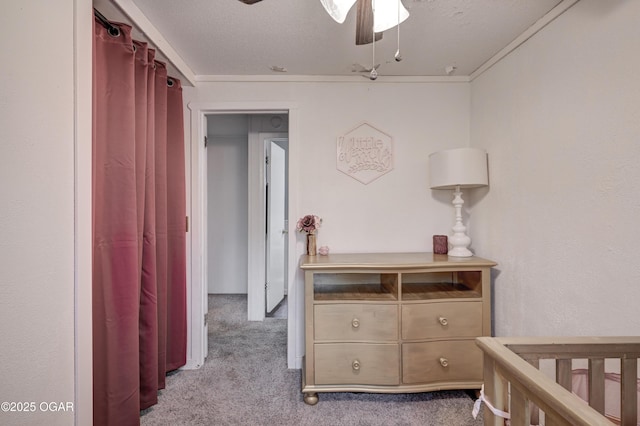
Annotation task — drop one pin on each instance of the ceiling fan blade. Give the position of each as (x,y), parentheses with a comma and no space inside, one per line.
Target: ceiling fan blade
(250,1)
(364,23)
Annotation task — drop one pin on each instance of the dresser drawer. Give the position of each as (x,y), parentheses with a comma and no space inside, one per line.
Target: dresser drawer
(441,361)
(446,319)
(357,364)
(355,322)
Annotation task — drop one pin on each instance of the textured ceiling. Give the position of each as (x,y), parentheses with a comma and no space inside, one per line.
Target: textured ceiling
(227,37)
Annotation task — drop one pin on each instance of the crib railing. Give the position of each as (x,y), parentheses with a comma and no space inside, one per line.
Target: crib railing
(514,383)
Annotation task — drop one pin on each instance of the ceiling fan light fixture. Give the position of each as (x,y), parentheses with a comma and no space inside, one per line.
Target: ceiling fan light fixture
(388,14)
(338,9)
(384,14)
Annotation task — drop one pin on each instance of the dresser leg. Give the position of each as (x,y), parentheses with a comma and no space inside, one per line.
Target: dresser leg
(311,398)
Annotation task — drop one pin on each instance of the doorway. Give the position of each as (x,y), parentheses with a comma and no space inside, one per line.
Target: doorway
(197,245)
(230,140)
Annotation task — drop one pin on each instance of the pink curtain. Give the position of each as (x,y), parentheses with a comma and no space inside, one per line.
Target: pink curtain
(139,242)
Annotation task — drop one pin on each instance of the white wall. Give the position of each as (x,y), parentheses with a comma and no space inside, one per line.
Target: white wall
(37,208)
(395,212)
(227,192)
(560,118)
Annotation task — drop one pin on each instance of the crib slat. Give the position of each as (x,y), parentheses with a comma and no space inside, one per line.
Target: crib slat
(628,387)
(563,373)
(520,408)
(596,384)
(494,390)
(535,410)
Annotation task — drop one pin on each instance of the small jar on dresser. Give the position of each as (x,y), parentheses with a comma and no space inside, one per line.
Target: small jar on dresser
(394,322)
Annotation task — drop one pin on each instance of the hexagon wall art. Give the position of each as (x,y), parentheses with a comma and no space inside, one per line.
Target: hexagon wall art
(365,153)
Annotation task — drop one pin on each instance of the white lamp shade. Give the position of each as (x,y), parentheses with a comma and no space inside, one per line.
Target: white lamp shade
(464,167)
(338,9)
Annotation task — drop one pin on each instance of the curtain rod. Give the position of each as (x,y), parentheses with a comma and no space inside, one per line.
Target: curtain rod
(113,30)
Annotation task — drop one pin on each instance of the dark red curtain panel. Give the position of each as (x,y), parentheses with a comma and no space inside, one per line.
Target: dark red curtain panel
(139,210)
(176,231)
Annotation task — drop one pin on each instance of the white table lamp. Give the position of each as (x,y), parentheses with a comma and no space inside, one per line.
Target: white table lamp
(455,169)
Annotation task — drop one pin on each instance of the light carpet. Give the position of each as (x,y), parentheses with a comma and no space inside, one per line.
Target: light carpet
(245,381)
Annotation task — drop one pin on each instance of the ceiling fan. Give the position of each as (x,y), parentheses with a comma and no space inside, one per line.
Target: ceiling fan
(385,15)
(372,16)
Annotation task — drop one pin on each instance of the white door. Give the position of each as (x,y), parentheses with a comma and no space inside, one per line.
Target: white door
(276,228)
(205,293)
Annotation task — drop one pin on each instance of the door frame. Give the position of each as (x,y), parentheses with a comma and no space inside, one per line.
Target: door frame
(196,239)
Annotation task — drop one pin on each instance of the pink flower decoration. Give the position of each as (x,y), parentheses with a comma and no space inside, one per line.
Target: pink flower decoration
(309,224)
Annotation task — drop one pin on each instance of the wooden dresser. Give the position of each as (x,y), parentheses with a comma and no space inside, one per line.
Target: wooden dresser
(394,322)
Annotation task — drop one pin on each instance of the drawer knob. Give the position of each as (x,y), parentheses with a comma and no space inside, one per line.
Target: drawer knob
(444,362)
(355,365)
(443,321)
(355,323)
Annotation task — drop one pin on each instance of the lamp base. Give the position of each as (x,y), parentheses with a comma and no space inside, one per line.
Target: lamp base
(459,240)
(460,252)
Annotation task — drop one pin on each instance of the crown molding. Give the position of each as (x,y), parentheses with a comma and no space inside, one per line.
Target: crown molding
(327,79)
